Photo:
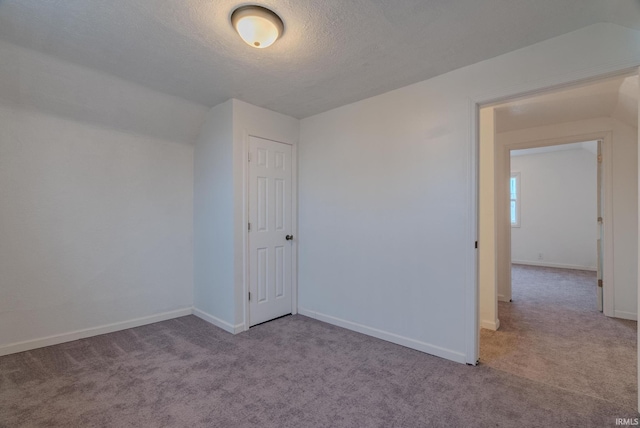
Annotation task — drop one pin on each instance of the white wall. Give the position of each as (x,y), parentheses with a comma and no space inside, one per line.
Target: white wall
(95,202)
(252,120)
(386,205)
(220,206)
(625,196)
(214,218)
(558,203)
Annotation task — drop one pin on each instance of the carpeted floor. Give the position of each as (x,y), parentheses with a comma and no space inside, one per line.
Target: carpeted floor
(291,372)
(552,333)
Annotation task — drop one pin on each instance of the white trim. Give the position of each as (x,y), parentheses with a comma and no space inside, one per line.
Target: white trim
(554,83)
(233,329)
(245,231)
(606,137)
(471,294)
(503,298)
(608,297)
(638,267)
(56,339)
(294,229)
(611,69)
(490,325)
(625,315)
(554,265)
(385,335)
(245,215)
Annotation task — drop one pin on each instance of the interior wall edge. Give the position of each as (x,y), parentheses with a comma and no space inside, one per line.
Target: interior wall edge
(228,327)
(490,324)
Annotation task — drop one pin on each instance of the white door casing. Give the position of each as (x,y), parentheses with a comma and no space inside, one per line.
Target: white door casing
(600,227)
(528,88)
(270,220)
(605,192)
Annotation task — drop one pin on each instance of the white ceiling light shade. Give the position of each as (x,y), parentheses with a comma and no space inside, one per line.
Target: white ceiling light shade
(258,26)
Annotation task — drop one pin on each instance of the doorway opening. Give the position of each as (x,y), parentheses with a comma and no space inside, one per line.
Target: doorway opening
(539,315)
(557,199)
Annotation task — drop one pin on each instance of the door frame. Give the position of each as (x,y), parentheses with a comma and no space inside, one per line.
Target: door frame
(247,134)
(496,96)
(503,167)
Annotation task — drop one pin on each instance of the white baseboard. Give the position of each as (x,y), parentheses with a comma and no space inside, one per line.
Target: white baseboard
(625,315)
(233,329)
(385,335)
(553,265)
(490,325)
(28,345)
(503,298)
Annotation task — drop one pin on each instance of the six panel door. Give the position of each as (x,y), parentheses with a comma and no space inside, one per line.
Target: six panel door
(270,240)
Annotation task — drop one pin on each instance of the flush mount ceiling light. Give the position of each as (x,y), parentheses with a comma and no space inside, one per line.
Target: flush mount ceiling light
(258,26)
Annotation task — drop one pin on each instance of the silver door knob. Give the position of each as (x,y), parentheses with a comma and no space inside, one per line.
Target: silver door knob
(288,237)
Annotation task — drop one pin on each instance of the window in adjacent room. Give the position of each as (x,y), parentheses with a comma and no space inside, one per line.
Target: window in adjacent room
(514,185)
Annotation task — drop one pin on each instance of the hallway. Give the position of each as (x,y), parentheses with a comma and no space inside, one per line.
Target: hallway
(552,333)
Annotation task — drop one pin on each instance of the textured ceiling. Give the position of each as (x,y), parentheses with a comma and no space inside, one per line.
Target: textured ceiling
(333,51)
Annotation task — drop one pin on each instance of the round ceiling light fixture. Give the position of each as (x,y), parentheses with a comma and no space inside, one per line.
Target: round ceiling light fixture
(258,26)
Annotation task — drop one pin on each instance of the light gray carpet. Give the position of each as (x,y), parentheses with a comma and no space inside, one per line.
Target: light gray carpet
(292,372)
(553,333)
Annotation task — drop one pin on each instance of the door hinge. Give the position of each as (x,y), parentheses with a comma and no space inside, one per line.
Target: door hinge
(599,283)
(599,219)
(249,227)
(599,158)
(249,295)
(476,244)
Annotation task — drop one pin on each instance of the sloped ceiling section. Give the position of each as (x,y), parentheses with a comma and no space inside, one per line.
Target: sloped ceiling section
(616,97)
(333,52)
(34,81)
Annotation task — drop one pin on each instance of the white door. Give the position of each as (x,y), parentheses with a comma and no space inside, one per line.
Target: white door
(270,233)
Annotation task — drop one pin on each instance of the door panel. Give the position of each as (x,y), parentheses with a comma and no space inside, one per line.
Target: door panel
(270,210)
